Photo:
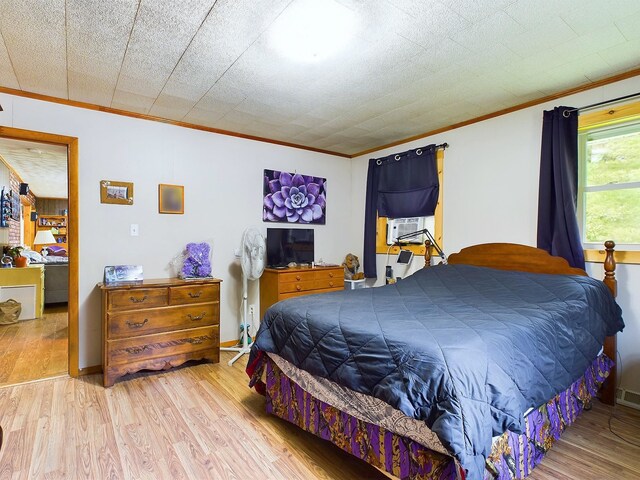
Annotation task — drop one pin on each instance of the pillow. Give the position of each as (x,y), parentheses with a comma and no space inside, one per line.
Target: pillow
(57,251)
(33,256)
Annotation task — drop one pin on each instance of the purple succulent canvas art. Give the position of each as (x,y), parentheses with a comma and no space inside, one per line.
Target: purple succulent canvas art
(294,198)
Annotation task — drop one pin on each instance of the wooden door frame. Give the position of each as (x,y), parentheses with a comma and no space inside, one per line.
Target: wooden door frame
(27,208)
(72,228)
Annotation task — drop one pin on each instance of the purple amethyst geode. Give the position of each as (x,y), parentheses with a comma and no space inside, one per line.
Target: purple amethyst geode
(293,198)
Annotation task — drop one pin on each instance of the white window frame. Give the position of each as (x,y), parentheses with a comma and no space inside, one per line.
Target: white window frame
(600,132)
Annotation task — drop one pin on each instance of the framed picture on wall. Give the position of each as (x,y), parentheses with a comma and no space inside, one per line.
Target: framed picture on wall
(119,193)
(171,199)
(294,198)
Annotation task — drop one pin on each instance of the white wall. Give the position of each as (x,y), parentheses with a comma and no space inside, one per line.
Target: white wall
(491,173)
(222,176)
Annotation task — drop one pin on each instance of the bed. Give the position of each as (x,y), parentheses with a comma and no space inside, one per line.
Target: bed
(469,370)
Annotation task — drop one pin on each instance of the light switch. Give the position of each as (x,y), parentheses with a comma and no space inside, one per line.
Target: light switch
(134,230)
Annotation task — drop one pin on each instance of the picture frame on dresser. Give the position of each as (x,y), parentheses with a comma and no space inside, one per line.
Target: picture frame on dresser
(121,274)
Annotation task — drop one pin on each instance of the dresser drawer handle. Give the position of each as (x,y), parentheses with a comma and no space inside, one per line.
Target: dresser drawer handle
(197,341)
(331,274)
(137,300)
(195,318)
(331,284)
(137,324)
(136,350)
(298,287)
(195,295)
(298,277)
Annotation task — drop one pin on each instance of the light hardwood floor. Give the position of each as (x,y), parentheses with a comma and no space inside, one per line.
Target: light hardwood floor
(35,349)
(202,422)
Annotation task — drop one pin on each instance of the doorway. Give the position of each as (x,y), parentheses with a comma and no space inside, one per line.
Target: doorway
(60,311)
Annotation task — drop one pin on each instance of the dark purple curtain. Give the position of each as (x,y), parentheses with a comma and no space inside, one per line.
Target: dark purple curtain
(398,186)
(558,231)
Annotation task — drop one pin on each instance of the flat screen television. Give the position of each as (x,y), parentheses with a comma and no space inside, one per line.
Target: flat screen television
(286,245)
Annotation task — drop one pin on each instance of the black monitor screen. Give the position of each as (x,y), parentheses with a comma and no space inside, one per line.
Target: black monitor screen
(286,245)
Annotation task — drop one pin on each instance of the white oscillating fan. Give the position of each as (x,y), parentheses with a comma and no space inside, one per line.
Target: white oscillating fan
(252,259)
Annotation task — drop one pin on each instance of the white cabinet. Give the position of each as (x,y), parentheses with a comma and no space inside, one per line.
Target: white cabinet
(25,295)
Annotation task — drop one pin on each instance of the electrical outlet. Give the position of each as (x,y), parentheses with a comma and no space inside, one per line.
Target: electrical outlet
(252,311)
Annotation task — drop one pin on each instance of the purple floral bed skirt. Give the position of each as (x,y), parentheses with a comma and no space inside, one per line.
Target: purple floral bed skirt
(513,455)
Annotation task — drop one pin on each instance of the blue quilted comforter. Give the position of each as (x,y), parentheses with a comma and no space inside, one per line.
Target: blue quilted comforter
(466,349)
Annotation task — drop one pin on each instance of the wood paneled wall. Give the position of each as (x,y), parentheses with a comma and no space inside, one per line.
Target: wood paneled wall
(51,206)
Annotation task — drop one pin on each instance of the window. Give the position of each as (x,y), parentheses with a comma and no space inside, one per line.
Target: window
(434,224)
(609,178)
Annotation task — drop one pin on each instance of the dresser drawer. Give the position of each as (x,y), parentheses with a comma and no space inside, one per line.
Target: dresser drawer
(329,283)
(284,296)
(137,298)
(297,286)
(194,294)
(120,352)
(329,274)
(296,277)
(154,320)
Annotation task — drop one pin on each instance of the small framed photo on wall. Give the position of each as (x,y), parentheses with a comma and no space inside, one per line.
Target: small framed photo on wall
(119,193)
(171,199)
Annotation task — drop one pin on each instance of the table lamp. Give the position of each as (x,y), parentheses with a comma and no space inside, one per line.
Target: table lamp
(43,237)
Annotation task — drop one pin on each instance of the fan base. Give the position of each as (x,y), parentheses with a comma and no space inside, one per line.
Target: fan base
(241,351)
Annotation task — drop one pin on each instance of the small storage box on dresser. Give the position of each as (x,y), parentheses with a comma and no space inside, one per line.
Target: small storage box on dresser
(159,324)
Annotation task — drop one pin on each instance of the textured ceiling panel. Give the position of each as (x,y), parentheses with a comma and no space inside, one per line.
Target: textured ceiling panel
(42,166)
(622,57)
(553,31)
(629,26)
(231,27)
(473,10)
(132,102)
(591,15)
(406,66)
(97,39)
(7,75)
(34,33)
(162,31)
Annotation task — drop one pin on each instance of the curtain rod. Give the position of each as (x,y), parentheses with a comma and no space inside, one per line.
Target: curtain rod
(566,113)
(398,156)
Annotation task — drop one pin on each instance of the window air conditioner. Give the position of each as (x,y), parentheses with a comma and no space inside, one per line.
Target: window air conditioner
(401,226)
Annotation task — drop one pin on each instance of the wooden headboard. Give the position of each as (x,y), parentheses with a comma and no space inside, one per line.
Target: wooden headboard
(511,256)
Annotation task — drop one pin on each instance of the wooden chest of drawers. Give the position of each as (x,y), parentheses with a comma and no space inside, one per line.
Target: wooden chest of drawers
(278,284)
(159,324)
